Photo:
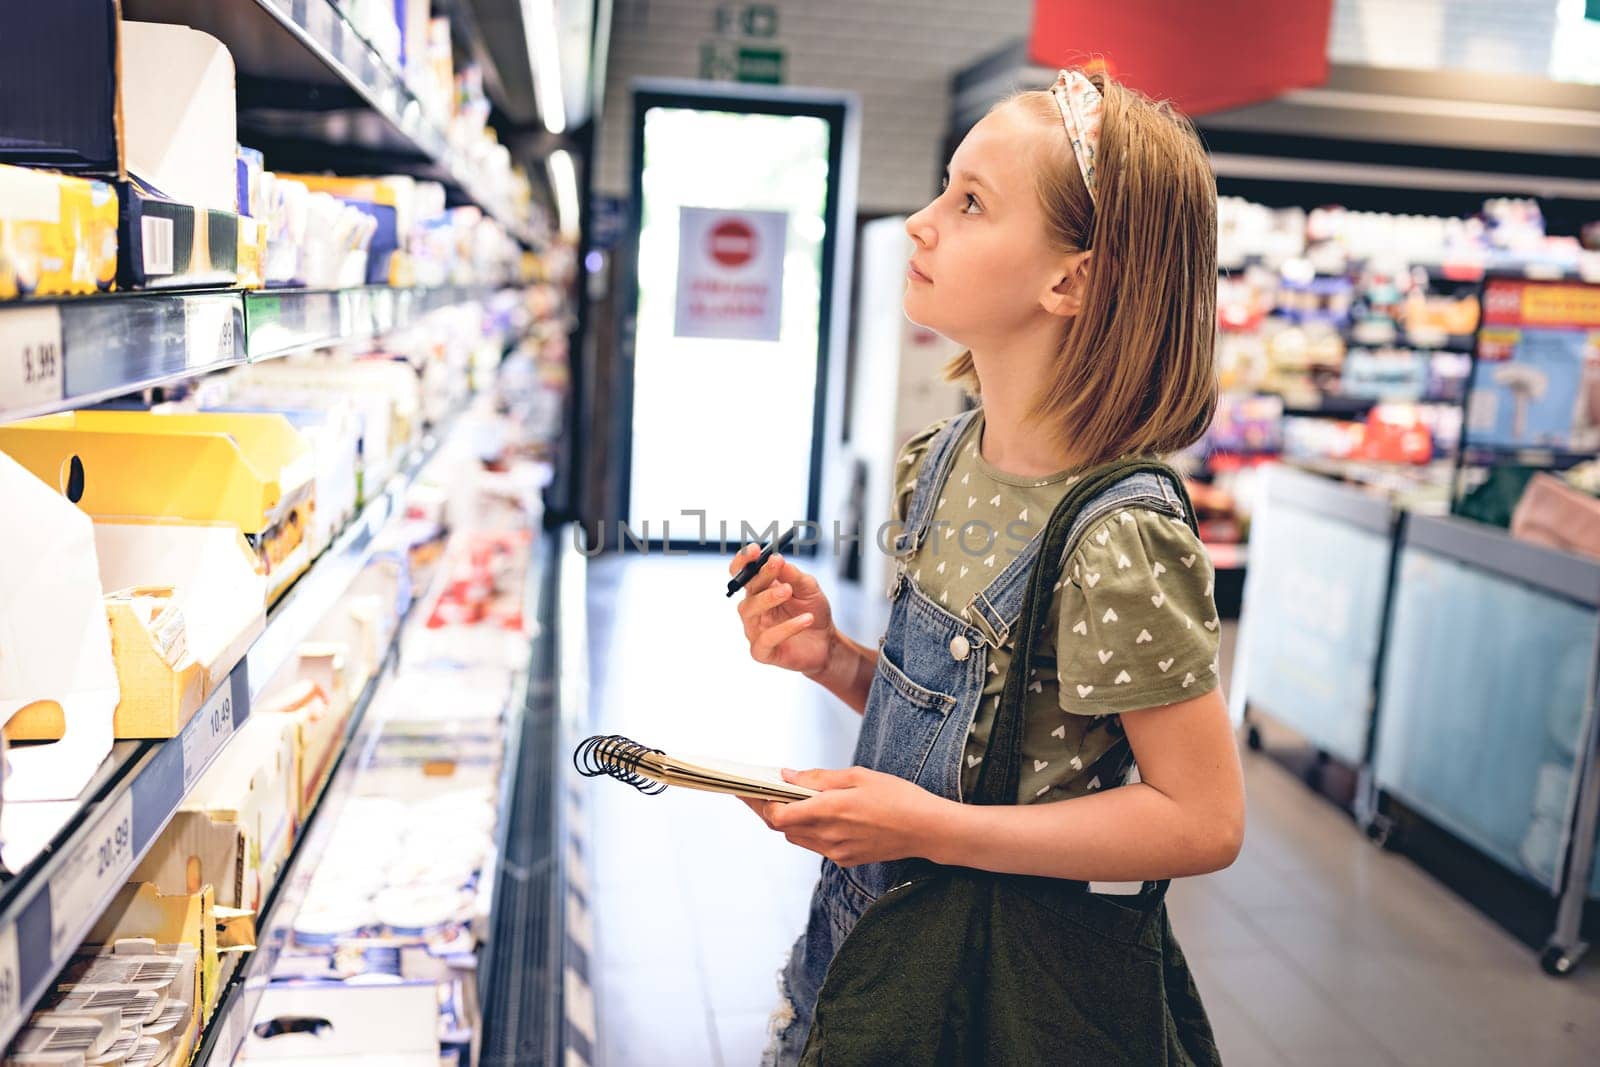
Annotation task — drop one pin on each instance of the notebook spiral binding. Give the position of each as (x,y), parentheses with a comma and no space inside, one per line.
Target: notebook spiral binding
(617,756)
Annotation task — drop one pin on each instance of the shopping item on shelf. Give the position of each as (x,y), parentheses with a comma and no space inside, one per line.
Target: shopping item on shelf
(387,395)
(157,929)
(237,824)
(57,663)
(167,245)
(1557,515)
(252,471)
(147,941)
(58,234)
(316,728)
(392,204)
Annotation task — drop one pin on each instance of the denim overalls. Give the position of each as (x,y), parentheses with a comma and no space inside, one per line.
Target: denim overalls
(930,676)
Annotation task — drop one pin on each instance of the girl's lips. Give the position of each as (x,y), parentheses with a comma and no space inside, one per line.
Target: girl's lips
(916,275)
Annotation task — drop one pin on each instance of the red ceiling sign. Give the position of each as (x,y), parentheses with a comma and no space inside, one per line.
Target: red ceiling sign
(1202,56)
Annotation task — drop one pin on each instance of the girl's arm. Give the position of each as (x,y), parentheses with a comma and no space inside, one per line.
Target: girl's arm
(1185,817)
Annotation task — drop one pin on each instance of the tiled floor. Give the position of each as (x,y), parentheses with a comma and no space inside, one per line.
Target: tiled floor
(1314,948)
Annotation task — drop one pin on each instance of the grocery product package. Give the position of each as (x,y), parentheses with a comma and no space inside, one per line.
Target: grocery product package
(58,234)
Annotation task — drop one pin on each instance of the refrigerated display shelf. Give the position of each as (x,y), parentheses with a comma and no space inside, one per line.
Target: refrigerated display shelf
(241,994)
(61,354)
(53,899)
(300,65)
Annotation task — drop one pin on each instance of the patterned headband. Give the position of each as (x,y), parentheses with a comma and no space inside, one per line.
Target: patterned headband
(1079,102)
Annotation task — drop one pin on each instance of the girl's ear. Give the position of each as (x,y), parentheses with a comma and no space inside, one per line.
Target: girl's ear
(1065,297)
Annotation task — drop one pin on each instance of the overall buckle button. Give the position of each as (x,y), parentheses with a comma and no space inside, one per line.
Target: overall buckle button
(960,647)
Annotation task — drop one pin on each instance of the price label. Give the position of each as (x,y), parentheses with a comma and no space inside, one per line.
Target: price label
(210,330)
(205,734)
(92,873)
(32,370)
(10,981)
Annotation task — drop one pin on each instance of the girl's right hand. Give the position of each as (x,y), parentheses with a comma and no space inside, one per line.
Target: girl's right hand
(786,616)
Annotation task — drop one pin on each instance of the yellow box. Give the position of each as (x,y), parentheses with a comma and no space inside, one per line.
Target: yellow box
(58,234)
(252,252)
(253,471)
(140,909)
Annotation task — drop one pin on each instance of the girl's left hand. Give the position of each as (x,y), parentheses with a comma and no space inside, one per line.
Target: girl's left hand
(860,816)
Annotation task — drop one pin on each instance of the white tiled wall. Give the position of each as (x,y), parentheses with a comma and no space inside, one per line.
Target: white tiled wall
(898,55)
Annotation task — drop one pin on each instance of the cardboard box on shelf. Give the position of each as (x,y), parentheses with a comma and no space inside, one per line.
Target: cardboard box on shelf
(237,825)
(179,128)
(252,471)
(317,731)
(141,910)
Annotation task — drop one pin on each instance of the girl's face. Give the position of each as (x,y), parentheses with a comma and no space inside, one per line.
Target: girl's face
(983,271)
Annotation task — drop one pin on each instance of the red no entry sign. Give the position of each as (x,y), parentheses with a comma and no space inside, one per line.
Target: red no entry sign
(732,243)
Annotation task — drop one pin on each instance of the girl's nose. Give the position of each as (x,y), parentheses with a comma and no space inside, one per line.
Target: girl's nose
(920,230)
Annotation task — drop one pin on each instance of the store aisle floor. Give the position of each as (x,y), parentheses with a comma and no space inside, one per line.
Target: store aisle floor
(1314,948)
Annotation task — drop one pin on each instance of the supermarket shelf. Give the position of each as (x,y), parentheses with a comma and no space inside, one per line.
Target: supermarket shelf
(280,321)
(1476,455)
(62,354)
(241,995)
(307,77)
(52,902)
(309,600)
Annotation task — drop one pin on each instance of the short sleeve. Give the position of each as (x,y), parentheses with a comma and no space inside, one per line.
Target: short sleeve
(1139,625)
(906,467)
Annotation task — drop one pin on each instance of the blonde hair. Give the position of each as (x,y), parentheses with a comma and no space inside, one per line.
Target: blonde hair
(1136,374)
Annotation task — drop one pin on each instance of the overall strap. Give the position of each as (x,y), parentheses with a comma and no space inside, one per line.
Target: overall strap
(936,464)
(1002,768)
(996,609)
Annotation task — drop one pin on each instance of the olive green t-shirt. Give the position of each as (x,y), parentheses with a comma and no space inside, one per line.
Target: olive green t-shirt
(1132,625)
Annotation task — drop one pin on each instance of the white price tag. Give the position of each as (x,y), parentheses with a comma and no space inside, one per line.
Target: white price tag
(205,734)
(32,370)
(10,980)
(91,874)
(210,329)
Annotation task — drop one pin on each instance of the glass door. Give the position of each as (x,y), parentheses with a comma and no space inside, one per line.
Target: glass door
(736,198)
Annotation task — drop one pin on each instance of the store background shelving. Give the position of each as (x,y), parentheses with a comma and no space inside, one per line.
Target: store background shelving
(314,94)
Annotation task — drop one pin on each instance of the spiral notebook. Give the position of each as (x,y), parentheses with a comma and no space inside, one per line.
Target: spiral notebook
(651,770)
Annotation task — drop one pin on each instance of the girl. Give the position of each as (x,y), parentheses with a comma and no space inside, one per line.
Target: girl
(1073,253)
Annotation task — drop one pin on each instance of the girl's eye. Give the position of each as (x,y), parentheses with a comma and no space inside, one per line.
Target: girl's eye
(972,203)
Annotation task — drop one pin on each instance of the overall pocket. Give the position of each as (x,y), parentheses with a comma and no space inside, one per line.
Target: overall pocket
(902,722)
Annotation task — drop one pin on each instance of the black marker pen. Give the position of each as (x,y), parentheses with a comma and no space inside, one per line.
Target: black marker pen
(753,568)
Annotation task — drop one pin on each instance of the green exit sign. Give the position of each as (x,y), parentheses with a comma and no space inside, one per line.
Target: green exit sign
(727,61)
